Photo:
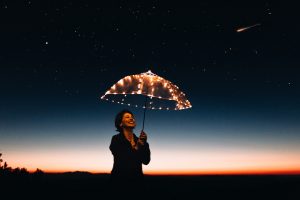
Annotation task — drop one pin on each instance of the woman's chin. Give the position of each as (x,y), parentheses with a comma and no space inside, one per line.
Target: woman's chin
(130,126)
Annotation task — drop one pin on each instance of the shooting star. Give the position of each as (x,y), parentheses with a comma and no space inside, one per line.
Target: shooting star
(245,28)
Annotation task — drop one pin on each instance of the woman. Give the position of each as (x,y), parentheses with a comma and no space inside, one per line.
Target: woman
(129,151)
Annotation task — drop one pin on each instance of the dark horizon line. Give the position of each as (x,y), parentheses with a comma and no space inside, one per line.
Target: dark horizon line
(297,173)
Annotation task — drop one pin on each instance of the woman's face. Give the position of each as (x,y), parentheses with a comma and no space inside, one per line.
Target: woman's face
(128,121)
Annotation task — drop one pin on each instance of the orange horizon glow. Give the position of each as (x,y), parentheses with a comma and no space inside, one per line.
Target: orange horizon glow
(165,161)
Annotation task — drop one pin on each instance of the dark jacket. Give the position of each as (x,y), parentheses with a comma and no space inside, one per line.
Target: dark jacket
(128,161)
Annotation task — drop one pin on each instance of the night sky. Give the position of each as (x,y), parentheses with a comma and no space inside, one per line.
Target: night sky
(57,58)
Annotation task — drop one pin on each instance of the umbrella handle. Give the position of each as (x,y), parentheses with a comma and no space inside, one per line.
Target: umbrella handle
(144,112)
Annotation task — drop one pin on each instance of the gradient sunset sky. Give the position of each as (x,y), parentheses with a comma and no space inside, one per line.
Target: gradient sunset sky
(59,58)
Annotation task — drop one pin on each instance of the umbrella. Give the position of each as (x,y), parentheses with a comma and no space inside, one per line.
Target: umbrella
(149,91)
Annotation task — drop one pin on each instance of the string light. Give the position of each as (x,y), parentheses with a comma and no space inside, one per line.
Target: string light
(151,85)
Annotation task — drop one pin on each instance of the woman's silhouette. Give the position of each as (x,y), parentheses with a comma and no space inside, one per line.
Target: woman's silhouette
(129,151)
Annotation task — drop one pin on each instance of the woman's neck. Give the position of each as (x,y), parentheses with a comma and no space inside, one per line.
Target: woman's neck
(127,131)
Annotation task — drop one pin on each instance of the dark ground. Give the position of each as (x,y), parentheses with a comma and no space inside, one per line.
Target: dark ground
(96,186)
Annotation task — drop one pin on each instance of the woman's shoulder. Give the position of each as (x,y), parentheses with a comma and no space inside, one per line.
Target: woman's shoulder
(117,136)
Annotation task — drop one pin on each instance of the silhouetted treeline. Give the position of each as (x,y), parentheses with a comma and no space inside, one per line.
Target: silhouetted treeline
(6,171)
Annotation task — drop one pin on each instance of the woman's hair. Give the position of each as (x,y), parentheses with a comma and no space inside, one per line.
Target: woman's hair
(119,118)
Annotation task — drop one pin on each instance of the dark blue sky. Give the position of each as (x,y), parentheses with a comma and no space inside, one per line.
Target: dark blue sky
(58,58)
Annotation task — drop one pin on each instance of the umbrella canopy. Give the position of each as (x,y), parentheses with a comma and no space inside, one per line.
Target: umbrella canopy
(130,89)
